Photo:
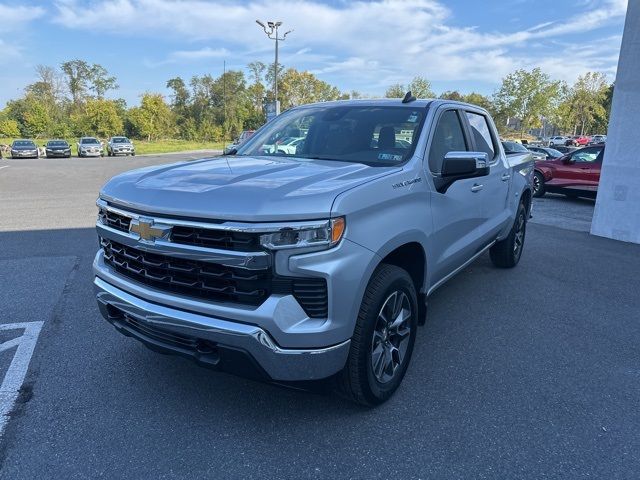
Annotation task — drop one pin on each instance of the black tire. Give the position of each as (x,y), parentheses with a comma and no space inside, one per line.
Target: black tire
(538,185)
(358,381)
(506,253)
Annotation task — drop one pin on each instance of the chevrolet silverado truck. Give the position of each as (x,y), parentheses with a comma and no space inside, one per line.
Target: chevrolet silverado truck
(318,263)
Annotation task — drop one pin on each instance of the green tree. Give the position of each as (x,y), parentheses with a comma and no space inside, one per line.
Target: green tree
(78,74)
(419,87)
(153,118)
(298,88)
(452,95)
(588,98)
(527,96)
(101,117)
(9,128)
(100,82)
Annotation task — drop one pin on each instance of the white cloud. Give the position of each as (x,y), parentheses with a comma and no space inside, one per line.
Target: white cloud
(366,43)
(182,56)
(15,17)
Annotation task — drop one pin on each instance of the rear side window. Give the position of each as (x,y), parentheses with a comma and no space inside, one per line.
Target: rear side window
(481,133)
(448,137)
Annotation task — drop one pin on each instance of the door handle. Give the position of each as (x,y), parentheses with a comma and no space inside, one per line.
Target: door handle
(505,177)
(585,168)
(476,187)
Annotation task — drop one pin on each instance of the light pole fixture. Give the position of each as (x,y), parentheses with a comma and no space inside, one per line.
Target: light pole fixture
(271,30)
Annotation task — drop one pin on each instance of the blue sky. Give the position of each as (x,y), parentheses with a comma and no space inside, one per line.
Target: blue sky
(363,45)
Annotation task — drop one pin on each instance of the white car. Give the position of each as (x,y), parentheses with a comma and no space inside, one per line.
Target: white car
(558,140)
(89,147)
(287,146)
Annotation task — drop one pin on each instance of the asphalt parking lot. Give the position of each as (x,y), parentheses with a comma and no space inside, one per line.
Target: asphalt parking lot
(526,373)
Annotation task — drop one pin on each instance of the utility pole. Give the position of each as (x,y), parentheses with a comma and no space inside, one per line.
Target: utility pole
(271,30)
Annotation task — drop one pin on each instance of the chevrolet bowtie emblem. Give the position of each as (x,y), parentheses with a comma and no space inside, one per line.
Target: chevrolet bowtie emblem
(148,231)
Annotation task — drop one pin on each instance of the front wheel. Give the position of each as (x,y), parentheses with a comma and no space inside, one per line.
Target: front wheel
(506,253)
(538,185)
(383,338)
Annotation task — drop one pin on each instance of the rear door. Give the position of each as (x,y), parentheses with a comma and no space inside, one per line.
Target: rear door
(495,187)
(456,214)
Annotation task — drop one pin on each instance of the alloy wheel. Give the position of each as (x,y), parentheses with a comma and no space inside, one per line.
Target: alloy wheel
(391,336)
(519,235)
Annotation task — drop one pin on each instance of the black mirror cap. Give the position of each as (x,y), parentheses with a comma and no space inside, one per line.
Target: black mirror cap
(461,165)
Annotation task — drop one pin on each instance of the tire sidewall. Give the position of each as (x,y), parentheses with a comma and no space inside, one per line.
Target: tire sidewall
(540,192)
(382,391)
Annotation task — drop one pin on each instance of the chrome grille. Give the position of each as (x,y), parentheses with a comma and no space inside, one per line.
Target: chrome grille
(114,220)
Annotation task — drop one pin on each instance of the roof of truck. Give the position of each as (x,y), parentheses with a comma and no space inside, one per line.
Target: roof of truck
(396,102)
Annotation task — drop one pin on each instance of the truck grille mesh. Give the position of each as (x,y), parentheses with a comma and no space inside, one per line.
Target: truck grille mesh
(212,281)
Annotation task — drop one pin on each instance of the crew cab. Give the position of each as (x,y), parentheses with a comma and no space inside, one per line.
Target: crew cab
(314,264)
(576,174)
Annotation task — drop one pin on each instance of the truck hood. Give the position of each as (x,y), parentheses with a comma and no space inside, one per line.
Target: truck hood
(240,188)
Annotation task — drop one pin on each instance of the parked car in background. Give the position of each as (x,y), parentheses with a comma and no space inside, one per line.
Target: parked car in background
(120,146)
(576,174)
(24,149)
(577,141)
(243,137)
(548,152)
(511,148)
(564,149)
(557,140)
(57,148)
(89,147)
(598,140)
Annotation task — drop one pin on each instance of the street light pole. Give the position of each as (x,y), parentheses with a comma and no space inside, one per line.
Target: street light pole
(271,30)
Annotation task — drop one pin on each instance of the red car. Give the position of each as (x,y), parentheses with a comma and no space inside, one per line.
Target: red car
(575,174)
(578,141)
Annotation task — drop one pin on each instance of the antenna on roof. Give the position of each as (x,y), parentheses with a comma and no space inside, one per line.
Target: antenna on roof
(408,98)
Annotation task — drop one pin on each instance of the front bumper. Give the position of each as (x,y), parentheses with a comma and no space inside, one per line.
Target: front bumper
(91,154)
(24,154)
(58,153)
(214,342)
(122,151)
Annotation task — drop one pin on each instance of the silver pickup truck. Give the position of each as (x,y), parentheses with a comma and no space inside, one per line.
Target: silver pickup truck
(318,263)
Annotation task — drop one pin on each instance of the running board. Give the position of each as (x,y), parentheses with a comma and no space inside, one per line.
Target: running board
(459,269)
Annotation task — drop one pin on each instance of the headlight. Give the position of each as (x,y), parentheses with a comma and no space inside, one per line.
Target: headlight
(327,234)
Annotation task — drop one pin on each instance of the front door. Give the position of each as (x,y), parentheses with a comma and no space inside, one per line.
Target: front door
(457,213)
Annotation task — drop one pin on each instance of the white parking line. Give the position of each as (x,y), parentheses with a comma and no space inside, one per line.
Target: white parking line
(5,166)
(12,382)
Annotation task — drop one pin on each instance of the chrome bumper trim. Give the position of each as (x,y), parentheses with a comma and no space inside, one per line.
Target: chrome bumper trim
(283,364)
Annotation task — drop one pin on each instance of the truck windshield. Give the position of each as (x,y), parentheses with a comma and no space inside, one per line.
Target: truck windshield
(374,135)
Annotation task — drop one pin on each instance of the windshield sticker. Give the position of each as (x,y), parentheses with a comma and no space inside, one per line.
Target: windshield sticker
(413,118)
(390,156)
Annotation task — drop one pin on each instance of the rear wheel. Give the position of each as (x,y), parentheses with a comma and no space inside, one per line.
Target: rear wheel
(538,185)
(506,253)
(383,338)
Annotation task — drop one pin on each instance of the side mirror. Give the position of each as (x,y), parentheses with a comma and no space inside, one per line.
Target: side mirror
(568,160)
(460,165)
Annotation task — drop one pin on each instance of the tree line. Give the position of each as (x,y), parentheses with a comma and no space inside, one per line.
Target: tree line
(70,101)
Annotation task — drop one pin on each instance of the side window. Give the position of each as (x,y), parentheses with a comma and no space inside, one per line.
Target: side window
(586,155)
(448,137)
(481,133)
